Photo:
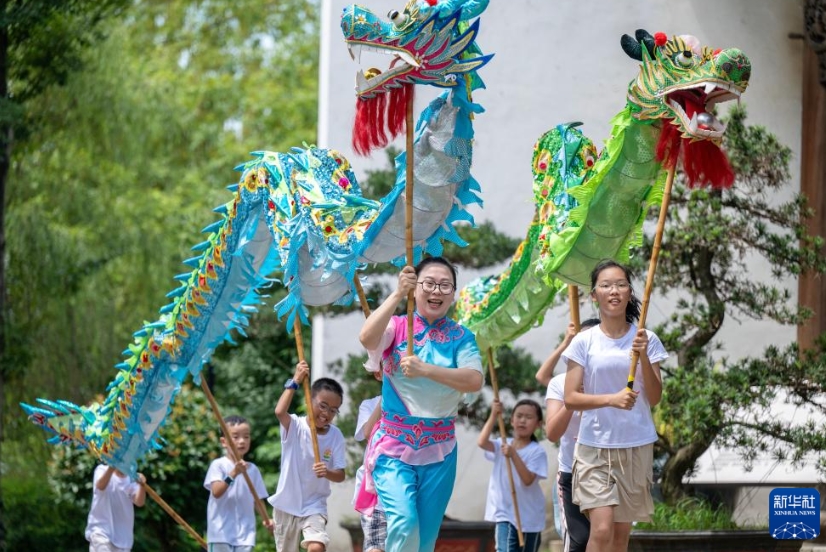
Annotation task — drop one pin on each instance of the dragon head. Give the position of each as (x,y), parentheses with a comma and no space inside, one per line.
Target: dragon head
(679,83)
(681,80)
(429,41)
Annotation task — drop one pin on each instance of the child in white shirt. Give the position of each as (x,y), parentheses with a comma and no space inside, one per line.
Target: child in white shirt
(231,506)
(300,503)
(529,464)
(111,521)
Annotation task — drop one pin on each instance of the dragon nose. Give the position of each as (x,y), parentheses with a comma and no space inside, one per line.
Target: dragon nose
(735,64)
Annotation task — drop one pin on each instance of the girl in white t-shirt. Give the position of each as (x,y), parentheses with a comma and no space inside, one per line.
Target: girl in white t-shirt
(614,453)
(529,464)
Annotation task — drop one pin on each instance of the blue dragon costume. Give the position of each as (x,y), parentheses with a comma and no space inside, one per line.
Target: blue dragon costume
(299,216)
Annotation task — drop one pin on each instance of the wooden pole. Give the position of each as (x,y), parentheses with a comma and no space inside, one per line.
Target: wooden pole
(168,509)
(308,396)
(573,300)
(259,505)
(408,215)
(495,385)
(652,267)
(365,308)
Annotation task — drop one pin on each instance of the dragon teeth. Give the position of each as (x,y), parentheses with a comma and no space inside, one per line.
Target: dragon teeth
(407,58)
(361,81)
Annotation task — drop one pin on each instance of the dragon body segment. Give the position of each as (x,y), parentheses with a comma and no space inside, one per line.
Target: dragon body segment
(301,216)
(501,308)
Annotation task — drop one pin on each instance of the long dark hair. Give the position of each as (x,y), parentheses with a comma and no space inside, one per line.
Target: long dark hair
(534,404)
(632,309)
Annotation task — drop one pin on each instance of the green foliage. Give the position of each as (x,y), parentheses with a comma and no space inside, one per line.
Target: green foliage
(712,239)
(31,521)
(689,514)
(120,169)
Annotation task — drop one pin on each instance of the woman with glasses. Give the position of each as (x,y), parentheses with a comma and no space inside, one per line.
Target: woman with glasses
(612,468)
(411,459)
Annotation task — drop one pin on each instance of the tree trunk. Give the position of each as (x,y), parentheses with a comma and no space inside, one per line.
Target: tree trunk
(678,465)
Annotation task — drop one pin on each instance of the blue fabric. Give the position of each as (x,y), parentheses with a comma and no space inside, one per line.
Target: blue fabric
(507,539)
(444,343)
(414,499)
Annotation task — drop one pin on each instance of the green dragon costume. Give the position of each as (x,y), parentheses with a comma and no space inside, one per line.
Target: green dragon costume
(591,208)
(300,215)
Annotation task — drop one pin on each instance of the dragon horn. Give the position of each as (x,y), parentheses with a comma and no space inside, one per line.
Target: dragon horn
(631,47)
(644,37)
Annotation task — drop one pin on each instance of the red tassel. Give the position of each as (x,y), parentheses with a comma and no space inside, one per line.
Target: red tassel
(397,110)
(378,135)
(376,122)
(361,127)
(668,146)
(704,163)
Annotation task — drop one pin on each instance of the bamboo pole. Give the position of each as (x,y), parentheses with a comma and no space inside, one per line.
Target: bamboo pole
(308,396)
(168,509)
(365,308)
(495,385)
(259,505)
(652,267)
(408,215)
(573,300)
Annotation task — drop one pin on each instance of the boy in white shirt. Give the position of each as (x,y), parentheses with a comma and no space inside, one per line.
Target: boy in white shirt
(300,503)
(111,521)
(231,506)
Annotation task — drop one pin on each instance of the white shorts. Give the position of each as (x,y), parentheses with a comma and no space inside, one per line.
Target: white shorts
(98,542)
(289,528)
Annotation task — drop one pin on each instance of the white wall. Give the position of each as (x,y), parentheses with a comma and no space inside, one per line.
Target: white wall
(557,62)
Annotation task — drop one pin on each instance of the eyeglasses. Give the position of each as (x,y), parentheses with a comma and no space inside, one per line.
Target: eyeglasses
(621,286)
(327,409)
(429,286)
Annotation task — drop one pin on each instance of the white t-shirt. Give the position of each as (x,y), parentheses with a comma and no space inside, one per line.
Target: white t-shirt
(365,410)
(606,362)
(231,518)
(531,500)
(113,513)
(300,493)
(567,443)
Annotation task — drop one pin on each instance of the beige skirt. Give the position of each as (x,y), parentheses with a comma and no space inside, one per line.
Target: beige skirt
(615,477)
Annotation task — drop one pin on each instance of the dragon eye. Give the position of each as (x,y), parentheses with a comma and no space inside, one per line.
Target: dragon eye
(685,58)
(397,17)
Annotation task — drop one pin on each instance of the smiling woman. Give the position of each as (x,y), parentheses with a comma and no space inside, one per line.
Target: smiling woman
(411,459)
